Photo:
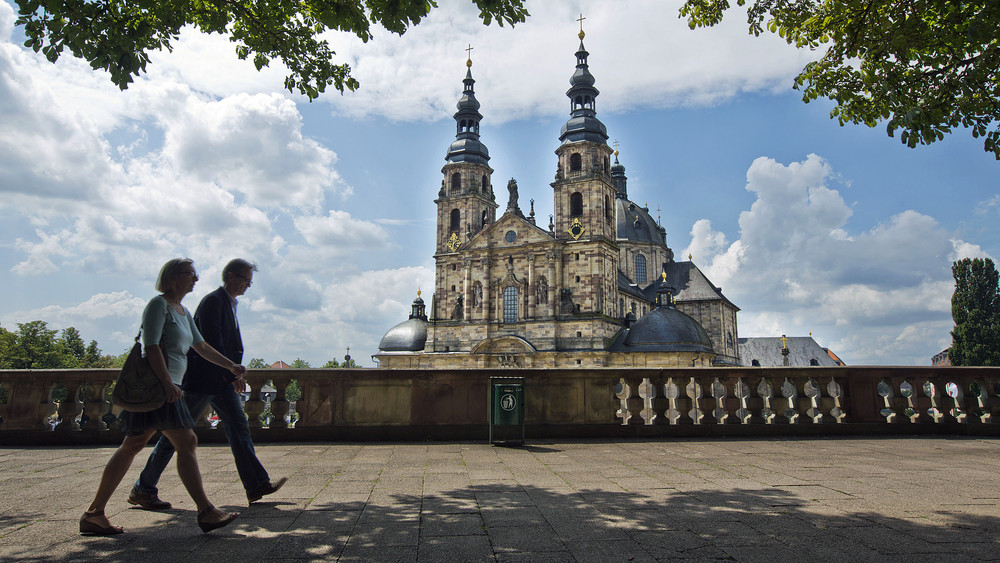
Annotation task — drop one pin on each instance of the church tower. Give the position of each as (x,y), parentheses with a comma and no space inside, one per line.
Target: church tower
(465,202)
(584,194)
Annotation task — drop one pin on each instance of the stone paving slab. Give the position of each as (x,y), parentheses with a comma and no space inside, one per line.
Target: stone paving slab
(858,499)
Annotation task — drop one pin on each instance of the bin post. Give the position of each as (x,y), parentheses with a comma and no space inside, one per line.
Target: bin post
(506,403)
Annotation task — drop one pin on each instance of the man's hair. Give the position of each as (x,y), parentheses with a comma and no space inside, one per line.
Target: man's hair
(169,272)
(237,266)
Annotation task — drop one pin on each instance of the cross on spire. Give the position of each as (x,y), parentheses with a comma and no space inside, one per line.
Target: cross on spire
(468,51)
(580,19)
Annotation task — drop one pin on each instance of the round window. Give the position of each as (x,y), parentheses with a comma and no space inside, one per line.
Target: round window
(511,236)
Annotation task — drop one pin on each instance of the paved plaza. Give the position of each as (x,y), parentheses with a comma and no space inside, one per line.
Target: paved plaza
(843,499)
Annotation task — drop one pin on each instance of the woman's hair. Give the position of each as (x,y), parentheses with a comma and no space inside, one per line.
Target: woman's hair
(169,272)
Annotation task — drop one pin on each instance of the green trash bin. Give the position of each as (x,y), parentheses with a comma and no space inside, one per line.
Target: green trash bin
(506,409)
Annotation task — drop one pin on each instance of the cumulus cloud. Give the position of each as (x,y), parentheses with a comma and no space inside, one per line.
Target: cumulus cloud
(798,267)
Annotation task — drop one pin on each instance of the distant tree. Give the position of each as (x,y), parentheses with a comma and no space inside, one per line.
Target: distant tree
(332,364)
(35,347)
(975,308)
(118,35)
(349,363)
(72,347)
(257,363)
(299,364)
(925,66)
(7,342)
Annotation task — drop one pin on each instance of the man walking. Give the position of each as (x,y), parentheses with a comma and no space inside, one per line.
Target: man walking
(205,383)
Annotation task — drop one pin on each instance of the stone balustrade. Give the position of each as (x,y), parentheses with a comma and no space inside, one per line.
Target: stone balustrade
(71,406)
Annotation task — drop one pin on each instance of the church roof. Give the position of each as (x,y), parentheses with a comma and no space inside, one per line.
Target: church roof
(635,224)
(408,336)
(766,350)
(689,282)
(626,285)
(664,329)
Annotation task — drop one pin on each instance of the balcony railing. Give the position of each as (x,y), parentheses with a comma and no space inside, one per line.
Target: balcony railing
(71,406)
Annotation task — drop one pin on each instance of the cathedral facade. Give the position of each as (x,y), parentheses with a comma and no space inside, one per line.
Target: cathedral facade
(596,287)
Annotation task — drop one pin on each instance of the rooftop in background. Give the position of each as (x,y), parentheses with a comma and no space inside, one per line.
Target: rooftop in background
(765,351)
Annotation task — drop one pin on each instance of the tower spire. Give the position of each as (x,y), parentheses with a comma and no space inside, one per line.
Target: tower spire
(583,124)
(467,146)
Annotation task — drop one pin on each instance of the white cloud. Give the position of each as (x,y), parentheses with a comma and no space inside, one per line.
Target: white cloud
(873,295)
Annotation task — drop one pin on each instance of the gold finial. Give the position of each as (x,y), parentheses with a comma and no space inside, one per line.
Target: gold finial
(658,215)
(616,146)
(663,276)
(418,292)
(580,19)
(468,61)
(784,342)
(690,257)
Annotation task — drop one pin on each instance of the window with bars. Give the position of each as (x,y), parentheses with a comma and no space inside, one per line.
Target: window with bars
(510,305)
(640,268)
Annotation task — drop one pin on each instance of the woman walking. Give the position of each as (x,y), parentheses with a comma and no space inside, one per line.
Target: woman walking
(167,332)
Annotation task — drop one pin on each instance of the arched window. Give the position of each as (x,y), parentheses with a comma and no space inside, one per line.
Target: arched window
(456,220)
(621,307)
(485,184)
(607,209)
(640,268)
(575,162)
(510,305)
(456,181)
(576,204)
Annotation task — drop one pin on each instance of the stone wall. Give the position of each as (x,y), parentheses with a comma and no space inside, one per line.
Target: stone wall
(372,404)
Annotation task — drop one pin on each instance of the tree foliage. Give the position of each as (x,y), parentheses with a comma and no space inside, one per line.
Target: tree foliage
(119,35)
(299,363)
(975,308)
(35,346)
(922,66)
(256,363)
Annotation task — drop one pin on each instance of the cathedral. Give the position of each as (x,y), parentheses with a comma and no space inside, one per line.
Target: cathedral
(596,287)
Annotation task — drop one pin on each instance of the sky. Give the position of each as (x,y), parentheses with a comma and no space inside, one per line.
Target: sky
(809,227)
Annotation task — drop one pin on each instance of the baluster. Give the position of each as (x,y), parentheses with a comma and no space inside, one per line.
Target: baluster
(790,393)
(70,408)
(742,392)
(279,405)
(694,392)
(934,412)
(719,394)
(980,411)
(813,392)
(254,406)
(647,391)
(623,391)
(836,391)
(906,391)
(672,392)
(955,392)
(885,392)
(93,407)
(766,392)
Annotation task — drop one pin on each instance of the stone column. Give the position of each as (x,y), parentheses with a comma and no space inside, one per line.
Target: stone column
(531,289)
(467,289)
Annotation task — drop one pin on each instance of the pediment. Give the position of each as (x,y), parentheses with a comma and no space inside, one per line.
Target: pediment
(497,235)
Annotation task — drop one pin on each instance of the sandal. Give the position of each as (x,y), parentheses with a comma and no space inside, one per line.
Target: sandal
(88,528)
(207,527)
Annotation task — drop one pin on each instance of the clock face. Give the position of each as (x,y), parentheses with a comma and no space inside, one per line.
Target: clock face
(576,229)
(454,242)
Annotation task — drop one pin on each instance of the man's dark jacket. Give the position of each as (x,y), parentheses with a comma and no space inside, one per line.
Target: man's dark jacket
(217,325)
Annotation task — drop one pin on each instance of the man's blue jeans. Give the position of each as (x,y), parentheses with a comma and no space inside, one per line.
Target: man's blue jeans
(228,406)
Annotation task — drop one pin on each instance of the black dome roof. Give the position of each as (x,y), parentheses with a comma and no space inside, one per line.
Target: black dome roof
(665,329)
(408,336)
